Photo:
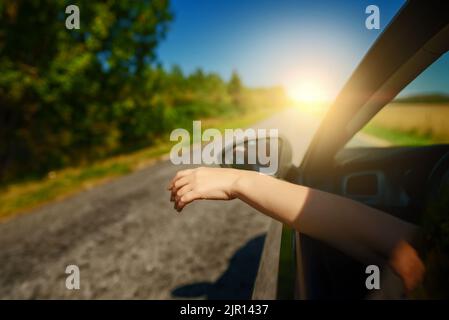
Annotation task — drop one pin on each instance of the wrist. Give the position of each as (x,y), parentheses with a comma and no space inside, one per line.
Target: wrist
(240,184)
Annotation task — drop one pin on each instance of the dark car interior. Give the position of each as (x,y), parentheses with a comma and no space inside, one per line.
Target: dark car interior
(392,179)
(396,180)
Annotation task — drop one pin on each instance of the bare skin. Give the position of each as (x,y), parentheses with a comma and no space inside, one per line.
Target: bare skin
(365,233)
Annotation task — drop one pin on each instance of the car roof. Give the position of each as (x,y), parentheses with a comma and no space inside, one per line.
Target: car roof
(416,37)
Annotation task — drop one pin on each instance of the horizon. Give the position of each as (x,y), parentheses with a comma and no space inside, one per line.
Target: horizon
(283,44)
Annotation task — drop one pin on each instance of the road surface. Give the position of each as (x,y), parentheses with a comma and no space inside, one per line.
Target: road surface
(128,242)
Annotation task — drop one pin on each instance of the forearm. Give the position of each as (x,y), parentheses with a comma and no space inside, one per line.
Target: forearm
(357,230)
(278,199)
(345,224)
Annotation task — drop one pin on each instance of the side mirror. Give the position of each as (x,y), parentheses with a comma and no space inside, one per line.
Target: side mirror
(268,155)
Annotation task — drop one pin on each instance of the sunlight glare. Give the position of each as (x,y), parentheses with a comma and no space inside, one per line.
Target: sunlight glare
(307,91)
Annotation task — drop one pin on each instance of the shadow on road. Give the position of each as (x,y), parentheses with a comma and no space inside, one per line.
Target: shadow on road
(236,282)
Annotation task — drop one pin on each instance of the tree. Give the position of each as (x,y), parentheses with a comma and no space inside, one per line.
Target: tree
(235,88)
(68,95)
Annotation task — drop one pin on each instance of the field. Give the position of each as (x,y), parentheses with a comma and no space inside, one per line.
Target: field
(411,124)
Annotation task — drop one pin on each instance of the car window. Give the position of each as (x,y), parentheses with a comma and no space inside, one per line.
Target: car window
(417,116)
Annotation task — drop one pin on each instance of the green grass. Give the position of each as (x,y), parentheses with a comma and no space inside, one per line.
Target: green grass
(397,137)
(20,197)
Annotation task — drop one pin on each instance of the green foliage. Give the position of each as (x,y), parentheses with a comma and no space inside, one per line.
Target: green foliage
(235,88)
(70,96)
(66,95)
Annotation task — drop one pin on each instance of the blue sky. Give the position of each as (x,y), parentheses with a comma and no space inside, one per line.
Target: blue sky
(283,42)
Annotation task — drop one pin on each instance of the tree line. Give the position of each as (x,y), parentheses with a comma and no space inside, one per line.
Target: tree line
(71,96)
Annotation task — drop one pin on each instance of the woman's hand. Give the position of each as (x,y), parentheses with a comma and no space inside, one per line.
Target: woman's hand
(407,264)
(203,183)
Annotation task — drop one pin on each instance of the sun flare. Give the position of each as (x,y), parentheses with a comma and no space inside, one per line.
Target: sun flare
(307,91)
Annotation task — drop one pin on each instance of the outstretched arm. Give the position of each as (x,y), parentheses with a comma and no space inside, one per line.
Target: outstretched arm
(361,231)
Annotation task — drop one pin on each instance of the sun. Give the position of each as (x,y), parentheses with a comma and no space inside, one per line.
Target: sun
(307,92)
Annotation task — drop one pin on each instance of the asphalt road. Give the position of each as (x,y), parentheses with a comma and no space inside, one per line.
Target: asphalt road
(128,242)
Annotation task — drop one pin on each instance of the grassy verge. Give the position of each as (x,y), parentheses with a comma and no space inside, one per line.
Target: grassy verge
(21,197)
(397,137)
